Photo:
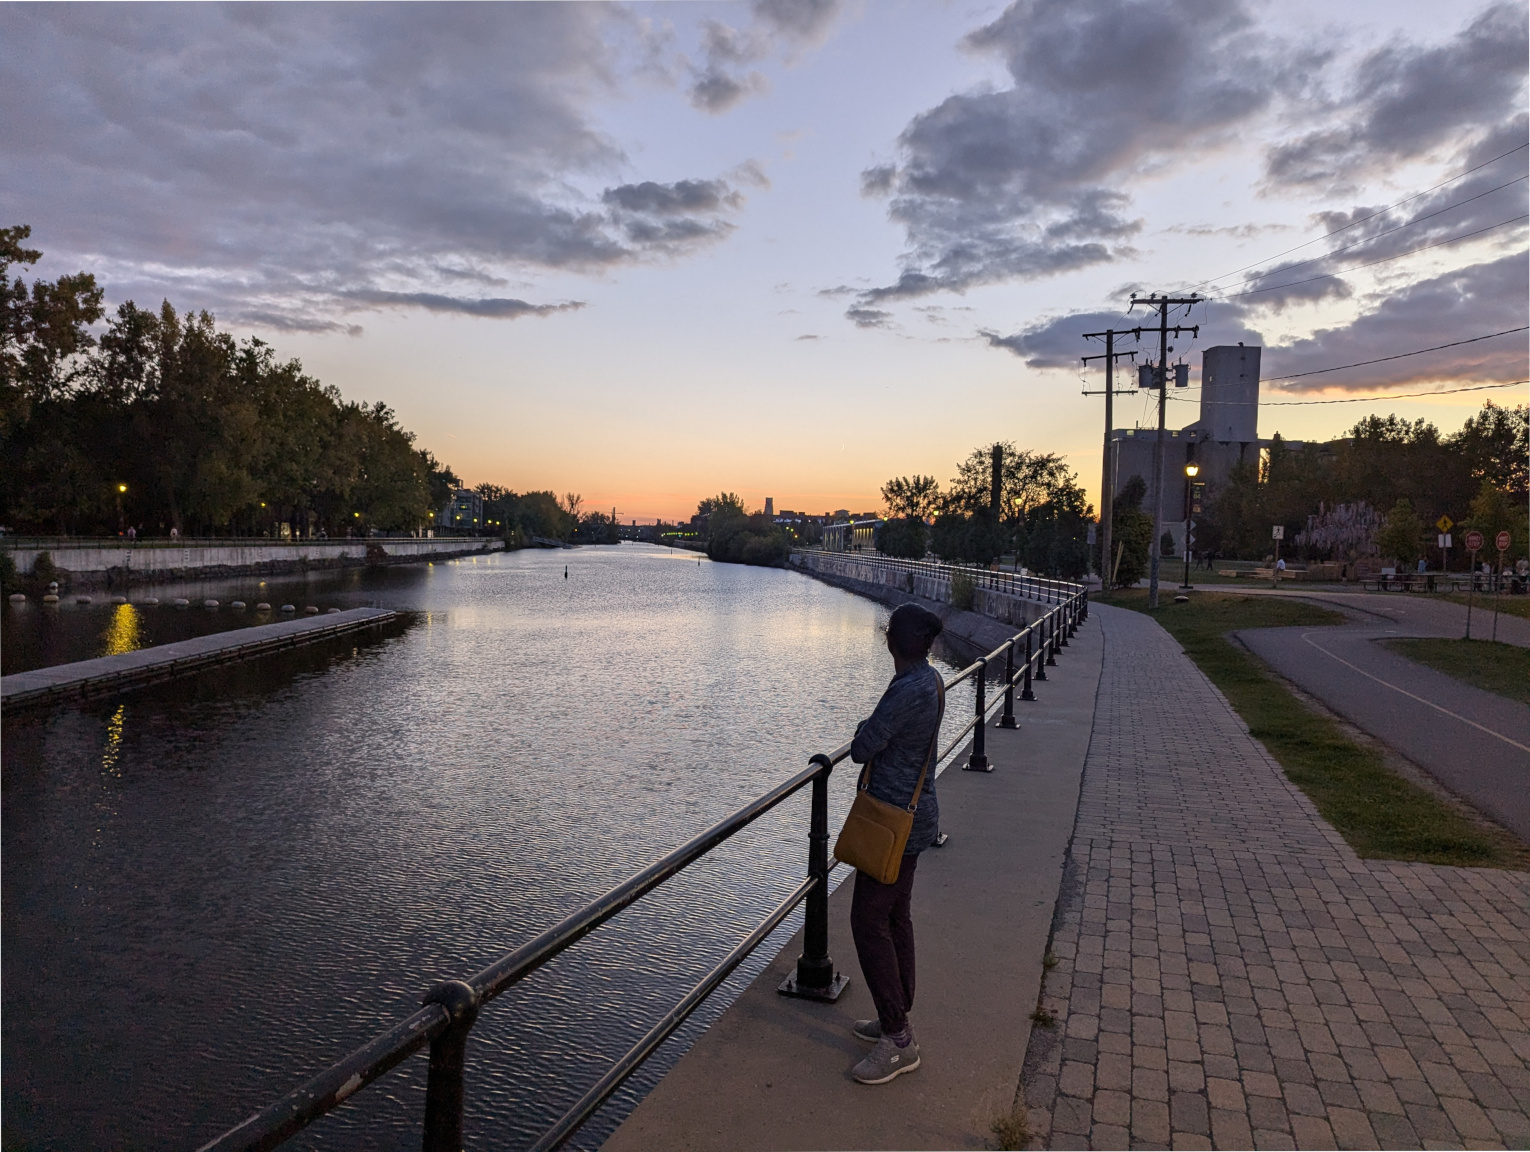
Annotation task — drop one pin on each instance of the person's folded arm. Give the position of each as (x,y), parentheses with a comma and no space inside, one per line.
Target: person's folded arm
(873,734)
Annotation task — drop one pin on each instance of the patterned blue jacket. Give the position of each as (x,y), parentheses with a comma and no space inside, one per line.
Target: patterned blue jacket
(897,736)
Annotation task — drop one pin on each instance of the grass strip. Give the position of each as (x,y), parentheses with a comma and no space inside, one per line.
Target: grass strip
(1381,815)
(1483,602)
(1493,666)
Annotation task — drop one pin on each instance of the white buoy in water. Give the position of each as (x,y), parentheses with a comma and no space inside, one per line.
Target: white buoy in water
(182,602)
(333,612)
(288,608)
(82,599)
(18,598)
(237,604)
(50,598)
(119,599)
(209,603)
(151,600)
(310,611)
(262,607)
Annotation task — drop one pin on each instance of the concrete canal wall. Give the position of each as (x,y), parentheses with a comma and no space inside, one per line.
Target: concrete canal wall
(892,585)
(110,674)
(115,563)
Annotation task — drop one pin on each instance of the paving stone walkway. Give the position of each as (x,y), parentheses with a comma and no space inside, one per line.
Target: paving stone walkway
(1231,975)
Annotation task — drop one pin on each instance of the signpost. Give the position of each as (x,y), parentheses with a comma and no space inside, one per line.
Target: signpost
(1277,533)
(1503,541)
(1444,524)
(1473,545)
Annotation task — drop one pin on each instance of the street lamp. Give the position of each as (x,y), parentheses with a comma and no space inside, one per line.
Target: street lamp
(121,488)
(1192,470)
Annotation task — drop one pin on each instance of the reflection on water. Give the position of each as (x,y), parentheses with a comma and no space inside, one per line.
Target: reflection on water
(123,634)
(225,883)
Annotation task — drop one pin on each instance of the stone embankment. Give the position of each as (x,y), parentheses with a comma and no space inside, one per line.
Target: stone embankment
(995,614)
(117,563)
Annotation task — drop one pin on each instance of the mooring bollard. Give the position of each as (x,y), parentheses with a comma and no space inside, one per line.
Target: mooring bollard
(814,977)
(978,760)
(448,1051)
(1008,719)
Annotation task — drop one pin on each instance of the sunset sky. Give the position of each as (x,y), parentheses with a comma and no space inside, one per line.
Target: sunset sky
(791,248)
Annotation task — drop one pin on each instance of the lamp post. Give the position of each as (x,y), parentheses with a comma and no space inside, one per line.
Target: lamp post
(1192,470)
(121,527)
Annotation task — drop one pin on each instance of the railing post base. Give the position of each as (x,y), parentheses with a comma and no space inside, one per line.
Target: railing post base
(977,764)
(814,978)
(1009,721)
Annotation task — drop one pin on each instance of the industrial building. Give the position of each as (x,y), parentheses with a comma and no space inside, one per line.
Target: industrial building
(1226,433)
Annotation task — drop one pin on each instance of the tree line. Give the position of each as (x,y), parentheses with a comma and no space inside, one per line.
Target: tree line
(1378,491)
(164,422)
(1041,516)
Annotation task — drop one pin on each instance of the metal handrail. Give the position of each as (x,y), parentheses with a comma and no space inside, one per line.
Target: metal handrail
(451,1008)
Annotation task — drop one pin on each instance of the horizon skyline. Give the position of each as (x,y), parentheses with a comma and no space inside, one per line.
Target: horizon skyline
(795,247)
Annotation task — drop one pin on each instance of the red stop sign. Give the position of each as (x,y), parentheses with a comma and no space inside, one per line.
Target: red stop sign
(1502,541)
(1474,541)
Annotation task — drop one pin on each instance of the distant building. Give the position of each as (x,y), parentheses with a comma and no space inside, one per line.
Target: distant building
(770,506)
(1226,434)
(464,513)
(851,535)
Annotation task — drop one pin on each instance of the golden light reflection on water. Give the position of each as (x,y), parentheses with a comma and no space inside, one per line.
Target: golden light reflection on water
(123,634)
(113,749)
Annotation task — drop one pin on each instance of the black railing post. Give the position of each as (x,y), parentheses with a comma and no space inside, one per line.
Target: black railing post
(1084,607)
(1008,719)
(815,978)
(1030,660)
(978,760)
(443,1087)
(1052,648)
(1043,647)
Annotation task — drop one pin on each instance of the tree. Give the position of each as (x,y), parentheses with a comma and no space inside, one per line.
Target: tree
(905,537)
(1401,538)
(911,497)
(1132,530)
(1491,513)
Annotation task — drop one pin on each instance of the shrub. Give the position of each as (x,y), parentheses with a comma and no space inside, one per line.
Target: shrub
(905,537)
(963,591)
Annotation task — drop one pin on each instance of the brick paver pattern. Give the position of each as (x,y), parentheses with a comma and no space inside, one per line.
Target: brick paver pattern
(1230,974)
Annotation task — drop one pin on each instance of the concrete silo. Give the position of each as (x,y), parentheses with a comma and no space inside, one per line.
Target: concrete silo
(1230,394)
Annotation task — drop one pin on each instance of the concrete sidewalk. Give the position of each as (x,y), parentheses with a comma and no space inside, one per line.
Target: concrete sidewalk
(773,1073)
(1231,975)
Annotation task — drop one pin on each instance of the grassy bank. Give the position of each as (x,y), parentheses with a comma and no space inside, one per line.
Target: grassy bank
(1496,667)
(1482,602)
(1380,814)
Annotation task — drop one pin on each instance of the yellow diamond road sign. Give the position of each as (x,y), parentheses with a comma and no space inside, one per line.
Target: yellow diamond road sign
(1444,523)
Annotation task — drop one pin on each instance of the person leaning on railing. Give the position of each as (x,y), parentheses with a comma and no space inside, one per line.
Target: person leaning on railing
(899,737)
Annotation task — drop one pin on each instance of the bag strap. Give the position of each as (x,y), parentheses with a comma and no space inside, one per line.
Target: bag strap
(940,715)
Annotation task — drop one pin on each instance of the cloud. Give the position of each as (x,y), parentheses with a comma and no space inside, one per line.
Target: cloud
(1472,301)
(725,79)
(1406,101)
(869,317)
(809,336)
(1027,181)
(1481,208)
(275,161)
(499,308)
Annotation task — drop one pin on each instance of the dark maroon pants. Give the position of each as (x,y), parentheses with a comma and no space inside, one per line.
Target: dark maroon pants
(884,942)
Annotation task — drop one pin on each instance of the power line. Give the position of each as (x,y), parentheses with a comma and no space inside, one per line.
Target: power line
(1407,224)
(1363,219)
(1399,356)
(1399,395)
(1373,263)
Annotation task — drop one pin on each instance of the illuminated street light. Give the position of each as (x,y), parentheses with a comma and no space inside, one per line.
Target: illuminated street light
(1192,470)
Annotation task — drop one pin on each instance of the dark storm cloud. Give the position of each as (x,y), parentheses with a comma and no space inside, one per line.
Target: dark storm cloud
(724,78)
(276,160)
(1406,100)
(1058,342)
(1027,181)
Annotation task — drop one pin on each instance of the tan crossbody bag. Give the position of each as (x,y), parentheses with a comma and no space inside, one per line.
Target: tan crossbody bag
(876,832)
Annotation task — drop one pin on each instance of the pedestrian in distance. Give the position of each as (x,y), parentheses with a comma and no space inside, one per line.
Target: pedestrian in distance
(897,745)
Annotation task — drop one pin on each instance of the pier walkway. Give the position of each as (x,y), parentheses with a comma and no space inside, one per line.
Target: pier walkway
(1232,975)
(167,661)
(773,1073)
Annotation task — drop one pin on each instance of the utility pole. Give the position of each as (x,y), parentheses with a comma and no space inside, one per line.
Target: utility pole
(1163,304)
(1107,472)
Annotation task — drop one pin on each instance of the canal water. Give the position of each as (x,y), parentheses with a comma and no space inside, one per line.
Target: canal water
(214,888)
